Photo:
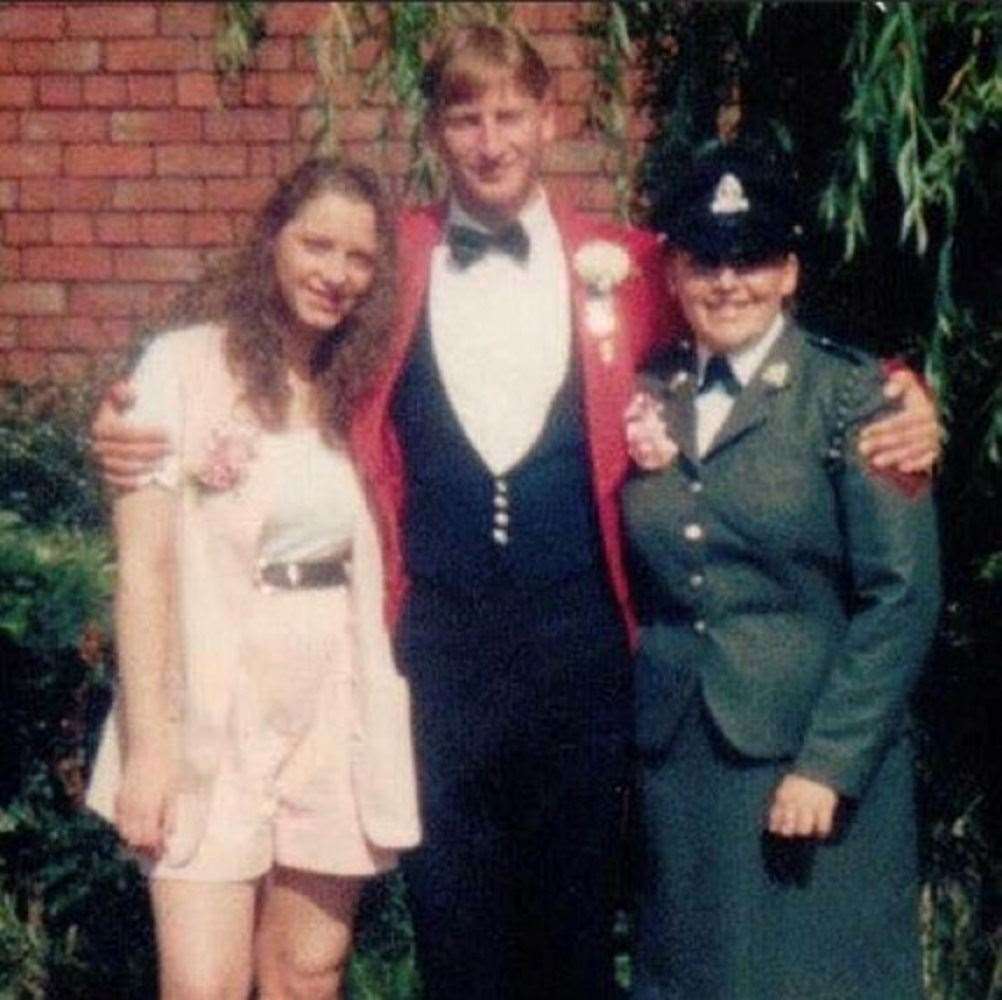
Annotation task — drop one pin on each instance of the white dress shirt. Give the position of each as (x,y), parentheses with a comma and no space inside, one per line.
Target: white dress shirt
(501,334)
(714,405)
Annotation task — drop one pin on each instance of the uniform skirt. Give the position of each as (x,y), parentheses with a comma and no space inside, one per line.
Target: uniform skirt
(728,912)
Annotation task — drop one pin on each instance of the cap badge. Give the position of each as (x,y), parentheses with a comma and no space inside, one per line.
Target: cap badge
(729,197)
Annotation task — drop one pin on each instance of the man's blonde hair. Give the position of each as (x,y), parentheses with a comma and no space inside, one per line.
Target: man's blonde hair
(470,59)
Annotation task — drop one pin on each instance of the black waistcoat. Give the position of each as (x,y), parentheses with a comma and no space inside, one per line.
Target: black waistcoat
(466,529)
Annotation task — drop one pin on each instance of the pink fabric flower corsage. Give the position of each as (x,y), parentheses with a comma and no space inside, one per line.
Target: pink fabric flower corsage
(231,450)
(647,438)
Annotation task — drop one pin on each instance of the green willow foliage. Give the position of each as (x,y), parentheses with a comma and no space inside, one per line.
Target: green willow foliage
(241,27)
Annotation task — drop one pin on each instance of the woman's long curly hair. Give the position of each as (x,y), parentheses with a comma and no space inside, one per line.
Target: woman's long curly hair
(243,294)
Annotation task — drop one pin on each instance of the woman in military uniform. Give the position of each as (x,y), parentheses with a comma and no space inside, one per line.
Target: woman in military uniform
(788,594)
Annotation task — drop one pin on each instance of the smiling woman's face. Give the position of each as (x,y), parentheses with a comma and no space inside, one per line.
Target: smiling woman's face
(729,307)
(325,260)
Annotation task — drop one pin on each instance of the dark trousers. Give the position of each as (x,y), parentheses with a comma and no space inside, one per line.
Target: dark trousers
(521,708)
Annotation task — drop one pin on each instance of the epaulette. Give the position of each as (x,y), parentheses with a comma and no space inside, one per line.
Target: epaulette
(838,348)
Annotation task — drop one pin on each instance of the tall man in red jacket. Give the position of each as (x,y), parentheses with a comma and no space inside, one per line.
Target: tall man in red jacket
(493,445)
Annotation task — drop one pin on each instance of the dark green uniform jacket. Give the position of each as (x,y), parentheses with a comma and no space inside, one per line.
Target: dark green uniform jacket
(796,587)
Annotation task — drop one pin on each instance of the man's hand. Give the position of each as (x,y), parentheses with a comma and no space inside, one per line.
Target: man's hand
(802,807)
(125,453)
(907,441)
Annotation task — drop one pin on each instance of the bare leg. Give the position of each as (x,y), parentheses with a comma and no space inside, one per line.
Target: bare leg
(304,935)
(204,936)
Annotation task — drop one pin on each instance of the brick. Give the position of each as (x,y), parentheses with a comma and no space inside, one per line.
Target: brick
(111,20)
(107,160)
(48,332)
(117,227)
(31,20)
(194,19)
(22,228)
(530,16)
(156,126)
(261,162)
(561,51)
(105,91)
(8,333)
(67,263)
(273,54)
(163,228)
(57,57)
(365,55)
(10,126)
(284,158)
(197,90)
(153,90)
(115,332)
(29,160)
(8,195)
(291,88)
(17,91)
(6,56)
(157,265)
(162,194)
(251,125)
(247,195)
(151,55)
(201,161)
(64,126)
(243,226)
(63,91)
(72,228)
(362,124)
(25,366)
(32,298)
(561,16)
(71,193)
(294,18)
(63,366)
(209,229)
(10,264)
(574,85)
(254,92)
(116,299)
(571,120)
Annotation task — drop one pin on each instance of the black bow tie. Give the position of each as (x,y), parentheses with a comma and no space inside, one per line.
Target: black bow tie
(468,245)
(719,372)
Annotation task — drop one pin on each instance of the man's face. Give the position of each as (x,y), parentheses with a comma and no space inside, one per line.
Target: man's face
(492,147)
(729,307)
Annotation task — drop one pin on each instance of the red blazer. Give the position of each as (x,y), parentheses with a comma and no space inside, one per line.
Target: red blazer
(644,314)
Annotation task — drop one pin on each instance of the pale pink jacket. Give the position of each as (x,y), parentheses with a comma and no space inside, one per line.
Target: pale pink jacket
(210,581)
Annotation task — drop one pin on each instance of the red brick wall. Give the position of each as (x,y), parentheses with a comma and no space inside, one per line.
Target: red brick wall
(125,161)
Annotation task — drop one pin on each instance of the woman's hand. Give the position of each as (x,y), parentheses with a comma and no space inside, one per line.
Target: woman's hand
(908,441)
(143,806)
(125,453)
(802,807)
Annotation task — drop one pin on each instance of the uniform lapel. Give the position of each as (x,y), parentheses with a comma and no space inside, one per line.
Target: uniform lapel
(754,403)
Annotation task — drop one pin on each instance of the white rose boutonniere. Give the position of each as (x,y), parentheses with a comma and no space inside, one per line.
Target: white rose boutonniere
(776,375)
(647,438)
(602,265)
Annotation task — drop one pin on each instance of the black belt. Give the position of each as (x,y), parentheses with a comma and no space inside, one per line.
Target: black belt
(309,575)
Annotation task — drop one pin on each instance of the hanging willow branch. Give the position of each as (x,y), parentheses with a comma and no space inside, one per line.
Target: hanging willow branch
(241,28)
(403,33)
